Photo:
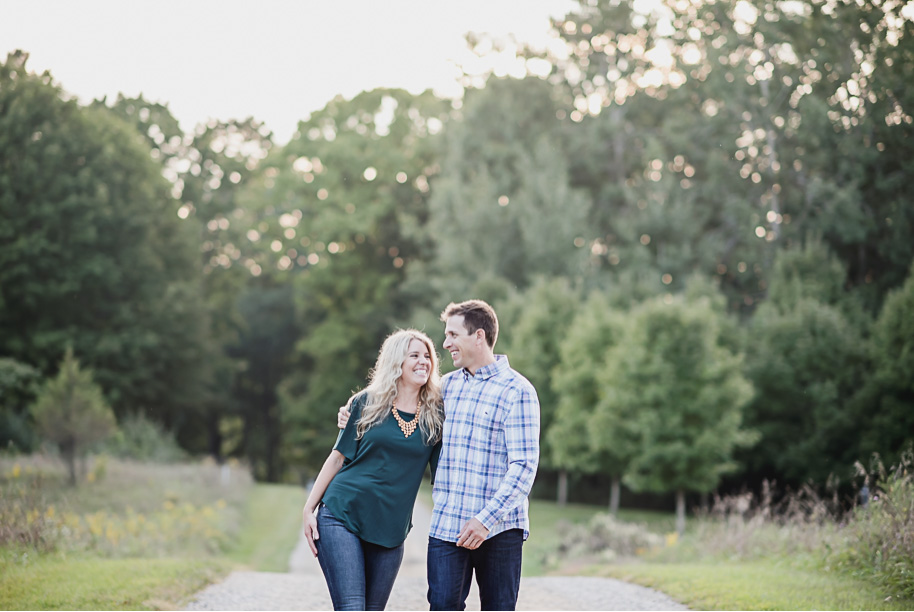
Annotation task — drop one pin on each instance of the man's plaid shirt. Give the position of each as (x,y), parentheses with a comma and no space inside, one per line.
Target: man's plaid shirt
(489,453)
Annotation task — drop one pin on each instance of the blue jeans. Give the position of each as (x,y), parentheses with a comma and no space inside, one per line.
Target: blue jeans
(359,575)
(496,564)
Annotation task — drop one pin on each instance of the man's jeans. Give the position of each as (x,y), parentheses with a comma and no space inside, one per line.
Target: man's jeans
(497,566)
(359,575)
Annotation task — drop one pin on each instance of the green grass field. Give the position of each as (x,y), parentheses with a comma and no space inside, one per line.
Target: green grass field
(202,528)
(61,582)
(272,522)
(770,584)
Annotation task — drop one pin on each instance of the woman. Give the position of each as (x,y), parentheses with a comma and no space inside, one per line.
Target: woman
(365,492)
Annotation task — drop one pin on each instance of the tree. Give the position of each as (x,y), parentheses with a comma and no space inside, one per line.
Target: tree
(210,170)
(502,209)
(887,406)
(18,385)
(71,412)
(807,361)
(348,204)
(683,391)
(93,253)
(574,441)
(534,324)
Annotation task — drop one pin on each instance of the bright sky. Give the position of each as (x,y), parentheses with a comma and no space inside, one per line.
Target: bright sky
(276,60)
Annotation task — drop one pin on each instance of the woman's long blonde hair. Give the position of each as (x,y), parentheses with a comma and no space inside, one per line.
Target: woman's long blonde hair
(382,386)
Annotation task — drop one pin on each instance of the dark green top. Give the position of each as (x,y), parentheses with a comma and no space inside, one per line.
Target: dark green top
(374,492)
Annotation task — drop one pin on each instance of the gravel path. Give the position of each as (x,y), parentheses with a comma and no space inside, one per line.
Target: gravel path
(303,588)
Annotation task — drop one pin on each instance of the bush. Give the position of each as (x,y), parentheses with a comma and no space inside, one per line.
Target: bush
(609,537)
(879,539)
(143,440)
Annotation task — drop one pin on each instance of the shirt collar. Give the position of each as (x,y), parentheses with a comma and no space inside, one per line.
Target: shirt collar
(486,372)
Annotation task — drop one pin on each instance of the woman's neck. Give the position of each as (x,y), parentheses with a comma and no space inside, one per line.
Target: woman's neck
(407,397)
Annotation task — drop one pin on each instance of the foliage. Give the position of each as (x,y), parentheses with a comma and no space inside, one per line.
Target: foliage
(610,537)
(144,536)
(71,412)
(503,174)
(534,324)
(141,439)
(887,417)
(682,392)
(18,384)
(879,539)
(573,442)
(352,189)
(92,252)
(135,510)
(805,356)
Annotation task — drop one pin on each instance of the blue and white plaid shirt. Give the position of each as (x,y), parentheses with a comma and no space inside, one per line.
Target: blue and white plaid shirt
(490,451)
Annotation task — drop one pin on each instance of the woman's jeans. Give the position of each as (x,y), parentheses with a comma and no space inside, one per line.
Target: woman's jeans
(496,563)
(359,575)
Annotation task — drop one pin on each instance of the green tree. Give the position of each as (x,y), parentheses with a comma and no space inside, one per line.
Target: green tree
(71,412)
(92,251)
(501,210)
(533,325)
(684,392)
(807,360)
(348,198)
(887,406)
(210,170)
(574,442)
(18,385)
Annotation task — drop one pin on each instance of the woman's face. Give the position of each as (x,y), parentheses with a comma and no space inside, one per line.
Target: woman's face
(417,365)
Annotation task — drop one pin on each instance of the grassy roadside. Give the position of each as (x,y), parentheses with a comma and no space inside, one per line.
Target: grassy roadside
(769,584)
(775,581)
(272,522)
(138,536)
(60,582)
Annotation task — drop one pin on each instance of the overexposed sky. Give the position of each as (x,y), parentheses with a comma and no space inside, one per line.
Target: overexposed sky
(275,60)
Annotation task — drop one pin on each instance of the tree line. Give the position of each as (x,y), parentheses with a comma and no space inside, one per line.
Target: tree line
(695,224)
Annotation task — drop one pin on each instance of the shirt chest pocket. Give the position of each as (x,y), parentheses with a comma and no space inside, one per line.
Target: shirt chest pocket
(489,426)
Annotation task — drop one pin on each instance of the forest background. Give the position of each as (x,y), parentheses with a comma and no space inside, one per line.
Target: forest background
(695,224)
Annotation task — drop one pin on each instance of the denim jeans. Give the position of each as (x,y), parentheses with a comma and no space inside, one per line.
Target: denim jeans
(496,564)
(359,575)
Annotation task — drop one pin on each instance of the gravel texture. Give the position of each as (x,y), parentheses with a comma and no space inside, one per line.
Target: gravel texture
(303,588)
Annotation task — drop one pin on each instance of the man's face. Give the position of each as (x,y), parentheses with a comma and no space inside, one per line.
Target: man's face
(463,346)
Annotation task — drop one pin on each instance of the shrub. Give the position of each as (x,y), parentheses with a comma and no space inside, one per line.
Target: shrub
(609,537)
(143,440)
(879,539)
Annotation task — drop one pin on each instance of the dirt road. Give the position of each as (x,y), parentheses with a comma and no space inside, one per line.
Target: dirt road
(303,587)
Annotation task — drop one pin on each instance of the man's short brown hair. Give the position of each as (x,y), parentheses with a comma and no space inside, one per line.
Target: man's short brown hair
(476,315)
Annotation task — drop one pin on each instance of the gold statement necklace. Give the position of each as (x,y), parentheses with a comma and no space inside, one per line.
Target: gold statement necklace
(406,428)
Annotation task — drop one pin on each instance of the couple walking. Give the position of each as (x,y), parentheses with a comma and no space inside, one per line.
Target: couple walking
(477,428)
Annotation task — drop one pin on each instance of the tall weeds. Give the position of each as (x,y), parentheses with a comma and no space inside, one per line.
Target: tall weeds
(879,538)
(124,509)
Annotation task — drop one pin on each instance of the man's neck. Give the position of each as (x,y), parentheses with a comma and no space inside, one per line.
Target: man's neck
(487,360)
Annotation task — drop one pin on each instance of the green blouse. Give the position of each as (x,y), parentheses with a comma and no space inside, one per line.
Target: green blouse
(374,492)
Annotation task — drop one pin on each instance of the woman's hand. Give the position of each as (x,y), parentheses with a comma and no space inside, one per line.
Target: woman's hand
(310,523)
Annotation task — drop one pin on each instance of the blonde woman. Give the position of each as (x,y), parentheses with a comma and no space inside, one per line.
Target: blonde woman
(364,494)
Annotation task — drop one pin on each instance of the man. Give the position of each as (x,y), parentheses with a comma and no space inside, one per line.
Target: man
(489,457)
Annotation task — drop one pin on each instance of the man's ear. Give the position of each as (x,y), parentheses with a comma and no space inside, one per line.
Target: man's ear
(480,335)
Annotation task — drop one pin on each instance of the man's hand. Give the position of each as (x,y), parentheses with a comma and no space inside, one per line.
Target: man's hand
(342,417)
(472,535)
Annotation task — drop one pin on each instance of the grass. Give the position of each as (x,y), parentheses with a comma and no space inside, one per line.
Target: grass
(135,536)
(272,521)
(59,582)
(768,584)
